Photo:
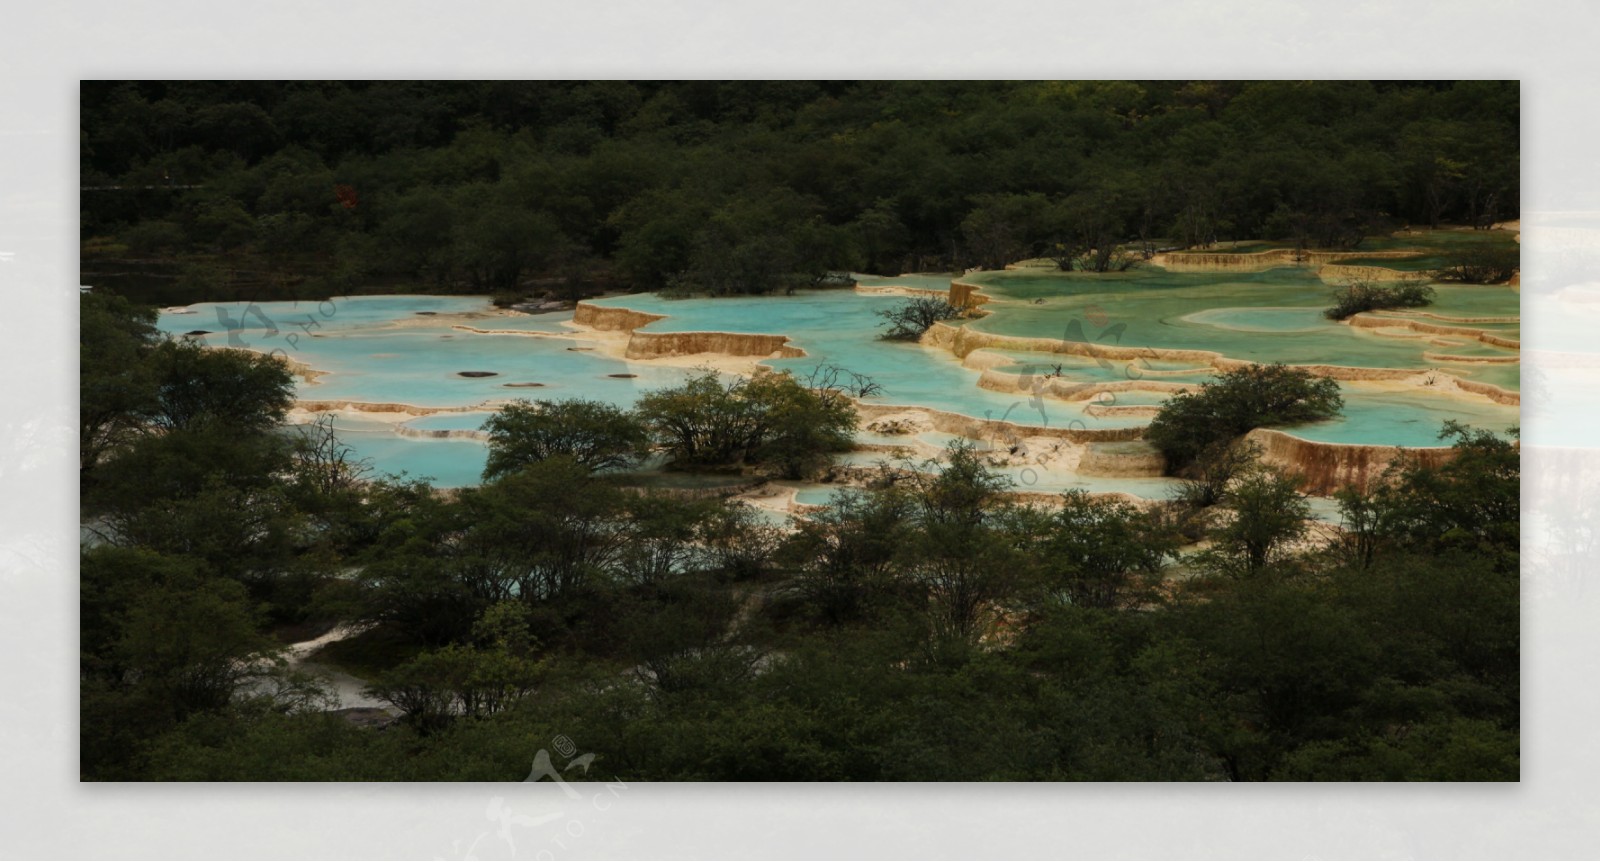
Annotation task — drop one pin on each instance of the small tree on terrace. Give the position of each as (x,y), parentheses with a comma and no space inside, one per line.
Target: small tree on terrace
(704,421)
(598,436)
(1252,396)
(801,426)
(1363,296)
(1480,265)
(771,418)
(910,319)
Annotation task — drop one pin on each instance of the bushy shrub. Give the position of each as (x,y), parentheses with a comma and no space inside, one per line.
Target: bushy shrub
(1480,265)
(1361,296)
(770,418)
(597,435)
(1255,396)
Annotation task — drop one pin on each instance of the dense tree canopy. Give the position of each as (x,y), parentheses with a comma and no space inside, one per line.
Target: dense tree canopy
(750,186)
(925,627)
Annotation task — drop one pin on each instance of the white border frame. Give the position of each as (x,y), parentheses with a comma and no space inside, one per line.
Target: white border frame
(48,48)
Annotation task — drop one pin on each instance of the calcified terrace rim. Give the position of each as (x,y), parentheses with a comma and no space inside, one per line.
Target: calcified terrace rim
(962,341)
(969,345)
(1326,465)
(1204,261)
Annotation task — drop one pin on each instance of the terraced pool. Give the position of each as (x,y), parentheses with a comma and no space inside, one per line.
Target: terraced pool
(402,359)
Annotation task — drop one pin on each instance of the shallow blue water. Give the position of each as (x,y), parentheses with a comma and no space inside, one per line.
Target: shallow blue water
(472,421)
(379,349)
(451,463)
(841,328)
(372,361)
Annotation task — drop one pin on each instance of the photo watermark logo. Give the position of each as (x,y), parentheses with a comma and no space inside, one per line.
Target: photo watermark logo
(269,330)
(563,829)
(1035,381)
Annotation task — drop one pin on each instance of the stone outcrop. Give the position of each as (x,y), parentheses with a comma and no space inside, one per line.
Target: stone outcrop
(1324,257)
(963,340)
(1128,458)
(1447,318)
(524,333)
(898,290)
(991,429)
(654,345)
(965,294)
(607,318)
(1193,261)
(1141,411)
(1243,262)
(1439,356)
(295,366)
(1490,391)
(1336,273)
(1327,467)
(1365,320)
(1035,264)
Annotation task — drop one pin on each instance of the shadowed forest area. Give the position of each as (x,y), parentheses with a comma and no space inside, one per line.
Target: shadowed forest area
(202,190)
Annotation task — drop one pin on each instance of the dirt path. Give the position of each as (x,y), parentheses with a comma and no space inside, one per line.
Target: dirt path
(347,689)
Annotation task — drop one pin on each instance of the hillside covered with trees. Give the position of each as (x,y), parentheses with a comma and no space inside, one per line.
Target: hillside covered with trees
(199,190)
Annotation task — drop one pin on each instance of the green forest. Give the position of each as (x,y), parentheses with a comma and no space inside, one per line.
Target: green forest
(273,190)
(925,626)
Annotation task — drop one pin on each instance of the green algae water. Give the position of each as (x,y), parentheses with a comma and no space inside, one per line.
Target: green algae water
(1269,316)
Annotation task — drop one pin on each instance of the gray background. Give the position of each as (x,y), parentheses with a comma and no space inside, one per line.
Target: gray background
(46,49)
